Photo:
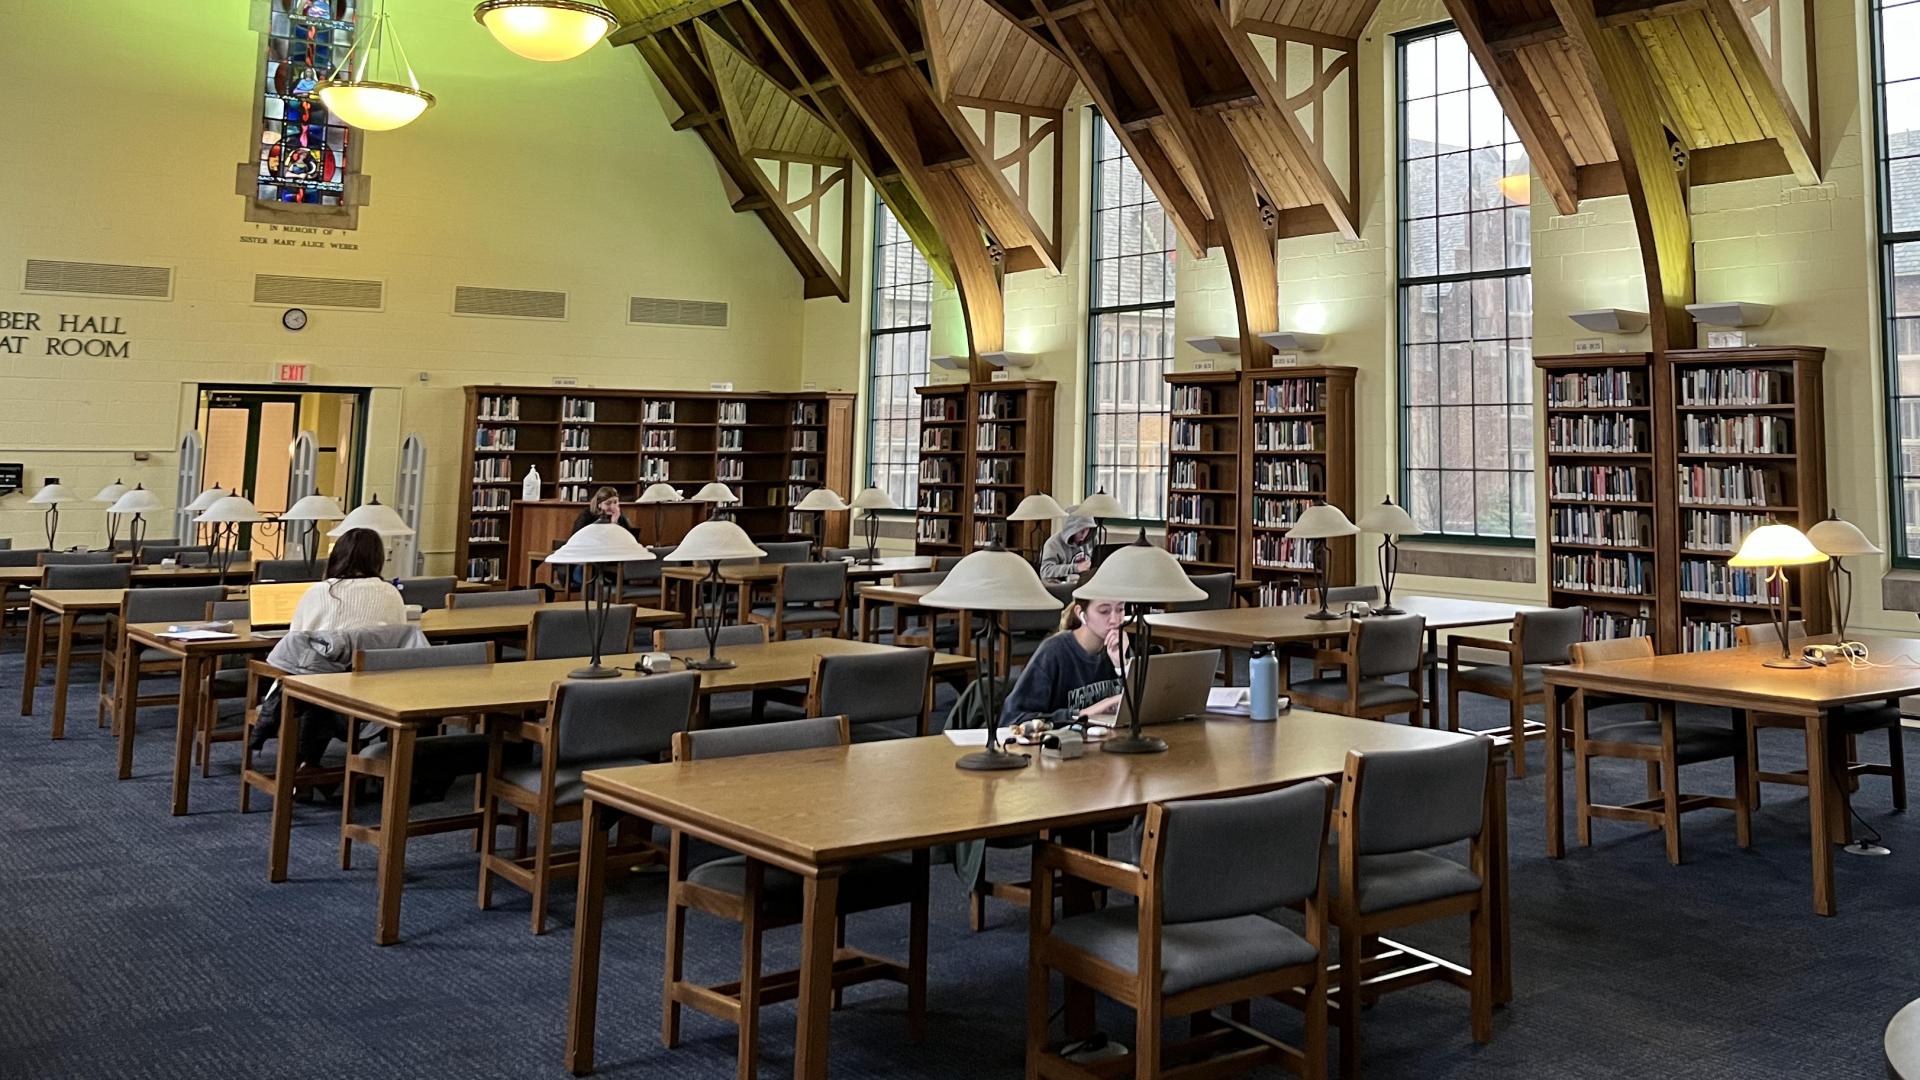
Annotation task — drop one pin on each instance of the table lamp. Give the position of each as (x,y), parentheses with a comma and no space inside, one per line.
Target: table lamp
(227,515)
(720,496)
(1040,507)
(870,502)
(1139,576)
(1321,522)
(1097,506)
(1392,522)
(658,496)
(200,503)
(1777,547)
(595,546)
(137,501)
(109,495)
(713,542)
(383,520)
(314,509)
(990,581)
(1838,539)
(821,501)
(51,495)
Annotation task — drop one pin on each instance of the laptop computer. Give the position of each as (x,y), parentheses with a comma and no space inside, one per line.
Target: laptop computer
(270,607)
(1177,685)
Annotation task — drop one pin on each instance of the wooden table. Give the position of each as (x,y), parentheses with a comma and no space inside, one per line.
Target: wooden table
(1242,627)
(680,582)
(1736,679)
(239,573)
(402,701)
(198,659)
(66,605)
(813,812)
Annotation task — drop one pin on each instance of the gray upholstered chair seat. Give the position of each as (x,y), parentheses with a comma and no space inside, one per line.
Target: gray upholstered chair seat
(1402,878)
(1693,740)
(231,682)
(883,730)
(1867,716)
(1500,677)
(867,884)
(800,615)
(512,652)
(1192,954)
(87,618)
(568,786)
(154,656)
(1373,692)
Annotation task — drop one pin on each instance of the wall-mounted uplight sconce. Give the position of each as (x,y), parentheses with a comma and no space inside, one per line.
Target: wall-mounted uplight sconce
(1003,359)
(949,363)
(1216,343)
(1294,340)
(1734,313)
(1611,320)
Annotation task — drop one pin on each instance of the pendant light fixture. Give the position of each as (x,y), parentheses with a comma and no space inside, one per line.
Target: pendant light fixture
(374,87)
(548,30)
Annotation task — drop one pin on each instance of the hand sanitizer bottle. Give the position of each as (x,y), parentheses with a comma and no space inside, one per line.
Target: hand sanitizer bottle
(530,487)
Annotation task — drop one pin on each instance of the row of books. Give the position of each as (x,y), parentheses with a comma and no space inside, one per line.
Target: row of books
(938,471)
(577,409)
(572,493)
(1731,485)
(1597,433)
(995,470)
(990,501)
(733,439)
(492,470)
(1190,435)
(1288,474)
(1592,525)
(806,412)
(1280,593)
(1280,435)
(655,469)
(806,442)
(800,523)
(942,408)
(1191,399)
(1290,395)
(932,530)
(728,469)
(1188,545)
(1279,553)
(496,438)
(1600,483)
(662,439)
(575,469)
(996,437)
(1191,474)
(658,412)
(495,407)
(1193,510)
(1597,389)
(998,405)
(808,469)
(1277,513)
(492,500)
(1603,625)
(731,412)
(940,439)
(484,569)
(485,531)
(1752,434)
(989,532)
(1718,386)
(935,500)
(1703,635)
(576,438)
(1718,530)
(1626,574)
(1713,579)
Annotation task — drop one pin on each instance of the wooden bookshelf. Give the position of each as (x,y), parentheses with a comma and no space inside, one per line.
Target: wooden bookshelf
(983,448)
(1658,466)
(769,447)
(1204,493)
(1298,450)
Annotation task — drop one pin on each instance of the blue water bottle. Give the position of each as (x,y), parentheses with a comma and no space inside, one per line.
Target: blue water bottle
(1263,683)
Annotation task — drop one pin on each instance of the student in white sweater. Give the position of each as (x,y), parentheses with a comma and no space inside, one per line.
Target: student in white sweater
(353,596)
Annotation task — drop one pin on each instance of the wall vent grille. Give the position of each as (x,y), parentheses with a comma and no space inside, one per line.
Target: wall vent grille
(319,292)
(664,312)
(509,303)
(99,279)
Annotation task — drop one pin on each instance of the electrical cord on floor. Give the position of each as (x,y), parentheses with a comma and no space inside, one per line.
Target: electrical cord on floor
(1872,840)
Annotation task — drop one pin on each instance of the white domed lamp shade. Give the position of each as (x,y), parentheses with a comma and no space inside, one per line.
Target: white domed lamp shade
(1040,507)
(1774,548)
(822,501)
(712,542)
(1392,522)
(1099,505)
(1139,576)
(312,510)
(111,494)
(374,87)
(991,581)
(870,502)
(1322,522)
(656,494)
(599,544)
(205,499)
(546,30)
(137,501)
(51,495)
(715,492)
(1838,540)
(228,515)
(382,519)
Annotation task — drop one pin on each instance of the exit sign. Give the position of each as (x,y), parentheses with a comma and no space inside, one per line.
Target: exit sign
(293,373)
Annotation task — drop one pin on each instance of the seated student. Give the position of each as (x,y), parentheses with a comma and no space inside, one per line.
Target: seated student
(1076,671)
(602,509)
(1068,553)
(353,595)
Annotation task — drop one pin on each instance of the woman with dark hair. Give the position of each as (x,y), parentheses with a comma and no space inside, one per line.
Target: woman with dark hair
(602,509)
(353,596)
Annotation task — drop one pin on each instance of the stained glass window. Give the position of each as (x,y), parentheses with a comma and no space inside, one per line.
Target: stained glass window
(305,153)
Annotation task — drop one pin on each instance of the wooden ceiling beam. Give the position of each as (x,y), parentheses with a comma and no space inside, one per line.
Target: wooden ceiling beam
(1655,190)
(1760,81)
(1537,31)
(1522,104)
(646,28)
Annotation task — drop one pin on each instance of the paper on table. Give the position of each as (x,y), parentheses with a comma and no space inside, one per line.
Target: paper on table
(197,635)
(974,736)
(1227,699)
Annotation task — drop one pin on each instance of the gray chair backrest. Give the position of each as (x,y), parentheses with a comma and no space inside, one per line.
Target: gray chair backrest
(1219,590)
(812,583)
(786,551)
(605,719)
(267,571)
(1769,633)
(557,632)
(465,654)
(23,557)
(1222,858)
(229,609)
(75,558)
(763,738)
(1545,636)
(1410,800)
(1347,594)
(921,577)
(838,554)
(95,576)
(1390,644)
(640,571)
(155,554)
(428,592)
(171,605)
(872,688)
(944,563)
(504,598)
(681,639)
(1043,622)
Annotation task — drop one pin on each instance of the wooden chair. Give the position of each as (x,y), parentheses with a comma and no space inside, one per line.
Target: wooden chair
(1378,648)
(1688,742)
(640,580)
(590,724)
(496,598)
(876,692)
(1395,807)
(1536,640)
(762,898)
(1025,630)
(155,554)
(1196,937)
(226,681)
(77,558)
(427,593)
(557,633)
(268,571)
(1847,725)
(98,629)
(785,551)
(123,666)
(925,627)
(14,599)
(810,598)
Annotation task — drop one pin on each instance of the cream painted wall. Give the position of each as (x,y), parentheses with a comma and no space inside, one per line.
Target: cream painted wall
(122,137)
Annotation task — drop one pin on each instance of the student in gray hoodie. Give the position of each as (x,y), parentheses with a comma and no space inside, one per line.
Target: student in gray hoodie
(1069,551)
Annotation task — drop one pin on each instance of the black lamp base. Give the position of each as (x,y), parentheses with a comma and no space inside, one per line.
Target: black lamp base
(595,671)
(1326,615)
(1134,744)
(715,663)
(992,761)
(1787,662)
(1389,610)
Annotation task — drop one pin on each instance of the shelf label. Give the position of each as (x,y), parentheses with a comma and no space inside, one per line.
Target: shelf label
(1588,345)
(1002,376)
(1726,339)
(1203,365)
(721,386)
(565,380)
(1286,359)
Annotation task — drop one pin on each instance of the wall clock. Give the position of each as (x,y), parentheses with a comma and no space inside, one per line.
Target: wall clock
(294,319)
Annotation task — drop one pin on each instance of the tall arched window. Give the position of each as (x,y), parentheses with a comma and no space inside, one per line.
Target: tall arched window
(897,356)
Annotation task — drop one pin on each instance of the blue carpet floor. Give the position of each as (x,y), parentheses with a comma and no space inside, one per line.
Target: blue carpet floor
(138,945)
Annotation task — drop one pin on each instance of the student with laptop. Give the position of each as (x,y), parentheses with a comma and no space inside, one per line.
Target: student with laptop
(353,596)
(1076,671)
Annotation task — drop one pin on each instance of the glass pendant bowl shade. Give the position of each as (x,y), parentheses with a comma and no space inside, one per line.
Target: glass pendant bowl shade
(873,498)
(716,540)
(111,494)
(715,492)
(1776,545)
(383,520)
(599,543)
(991,580)
(1141,574)
(206,498)
(1038,508)
(233,509)
(137,500)
(1099,505)
(314,508)
(547,30)
(822,500)
(374,87)
(52,495)
(1388,519)
(1840,539)
(660,493)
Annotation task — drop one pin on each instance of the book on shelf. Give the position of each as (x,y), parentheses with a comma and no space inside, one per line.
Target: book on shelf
(1719,387)
(989,532)
(657,470)
(483,569)
(1601,433)
(942,409)
(1750,434)
(804,412)
(731,412)
(1273,512)
(733,439)
(1189,546)
(940,439)
(935,500)
(1290,395)
(1003,438)
(662,439)
(1284,435)
(577,409)
(498,408)
(492,470)
(1718,530)
(1190,474)
(1731,485)
(1713,581)
(731,469)
(1601,483)
(804,469)
(1192,435)
(657,412)
(1624,573)
(999,405)
(576,438)
(994,471)
(573,492)
(496,438)
(1280,593)
(575,470)
(1612,389)
(492,500)
(1596,525)
(1281,475)
(1274,552)
(938,471)
(1191,400)
(1193,510)
(1603,625)
(990,501)
(934,530)
(806,441)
